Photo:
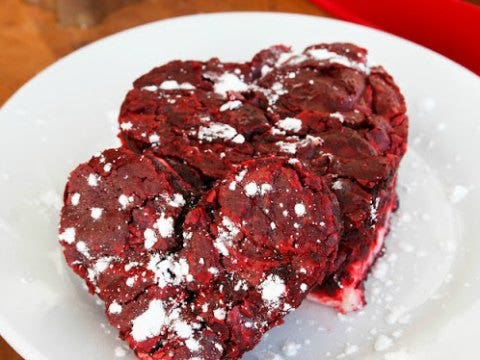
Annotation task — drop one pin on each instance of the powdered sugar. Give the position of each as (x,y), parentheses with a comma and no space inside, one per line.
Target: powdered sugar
(337,185)
(164,225)
(227,231)
(220,131)
(382,343)
(338,116)
(192,344)
(124,200)
(68,235)
(177,201)
(151,88)
(154,139)
(149,323)
(272,289)
(290,124)
(264,188)
(115,308)
(168,270)
(290,348)
(120,352)
(93,179)
(150,238)
(251,189)
(107,167)
(239,177)
(300,209)
(102,264)
(130,281)
(96,213)
(287,147)
(99,267)
(220,313)
(229,82)
(458,193)
(174,85)
(182,328)
(75,199)
(335,58)
(82,248)
(126,125)
(238,139)
(51,199)
(231,105)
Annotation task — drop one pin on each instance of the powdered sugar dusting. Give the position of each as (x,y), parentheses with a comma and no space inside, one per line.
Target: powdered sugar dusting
(290,348)
(335,58)
(272,289)
(287,147)
(229,82)
(219,313)
(151,88)
(126,125)
(93,180)
(149,324)
(82,248)
(192,344)
(173,85)
(102,264)
(164,225)
(383,342)
(251,189)
(68,235)
(75,199)
(337,185)
(338,116)
(150,238)
(154,139)
(458,193)
(231,105)
(130,281)
(177,201)
(221,131)
(96,213)
(120,352)
(239,177)
(168,270)
(264,188)
(115,308)
(226,233)
(290,124)
(124,200)
(300,209)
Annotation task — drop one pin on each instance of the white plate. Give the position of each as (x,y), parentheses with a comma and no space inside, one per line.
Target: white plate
(423,294)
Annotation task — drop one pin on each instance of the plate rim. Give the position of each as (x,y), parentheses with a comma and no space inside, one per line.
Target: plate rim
(226,13)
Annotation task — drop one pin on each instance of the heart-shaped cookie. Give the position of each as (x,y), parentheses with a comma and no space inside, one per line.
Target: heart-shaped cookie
(188,274)
(326,107)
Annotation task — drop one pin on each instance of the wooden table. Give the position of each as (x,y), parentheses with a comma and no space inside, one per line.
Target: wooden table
(30,40)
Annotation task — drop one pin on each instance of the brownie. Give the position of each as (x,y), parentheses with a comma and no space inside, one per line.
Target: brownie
(185,274)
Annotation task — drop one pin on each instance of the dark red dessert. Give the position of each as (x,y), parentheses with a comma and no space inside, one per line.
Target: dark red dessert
(325,107)
(184,276)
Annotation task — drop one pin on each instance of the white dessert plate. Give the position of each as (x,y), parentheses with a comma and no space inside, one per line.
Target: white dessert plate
(423,294)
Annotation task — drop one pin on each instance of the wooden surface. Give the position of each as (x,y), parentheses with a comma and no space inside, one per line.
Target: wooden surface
(30,40)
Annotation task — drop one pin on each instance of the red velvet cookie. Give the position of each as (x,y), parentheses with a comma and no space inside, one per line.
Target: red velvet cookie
(326,107)
(184,276)
(347,120)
